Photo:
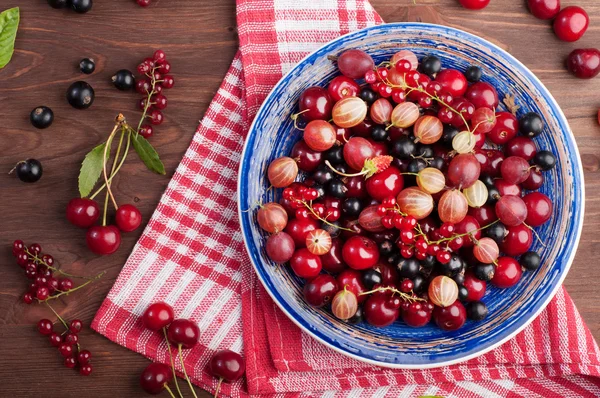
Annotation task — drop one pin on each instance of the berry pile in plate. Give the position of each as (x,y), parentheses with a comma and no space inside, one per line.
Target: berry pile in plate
(409,193)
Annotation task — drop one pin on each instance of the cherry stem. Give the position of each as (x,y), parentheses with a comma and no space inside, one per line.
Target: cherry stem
(172,362)
(115,171)
(119,120)
(184,371)
(409,174)
(360,173)
(58,316)
(169,390)
(148,104)
(295,118)
(536,235)
(62,293)
(395,291)
(218,387)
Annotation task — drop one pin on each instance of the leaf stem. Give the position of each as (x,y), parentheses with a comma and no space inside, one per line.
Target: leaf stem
(172,362)
(184,371)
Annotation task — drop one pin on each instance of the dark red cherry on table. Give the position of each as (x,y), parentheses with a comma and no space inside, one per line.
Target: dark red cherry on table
(158,316)
(320,290)
(505,129)
(571,23)
(453,82)
(155,377)
(508,272)
(316,104)
(332,261)
(82,212)
(517,241)
(298,229)
(352,280)
(539,208)
(305,264)
(183,332)
(482,95)
(227,365)
(474,4)
(475,287)
(379,311)
(307,159)
(584,62)
(451,317)
(385,184)
(103,240)
(360,252)
(544,9)
(128,218)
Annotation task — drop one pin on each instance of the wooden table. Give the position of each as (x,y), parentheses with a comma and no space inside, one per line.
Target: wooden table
(200,40)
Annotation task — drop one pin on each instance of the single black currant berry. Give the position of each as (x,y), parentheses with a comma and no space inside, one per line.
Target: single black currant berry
(425,151)
(29,170)
(332,227)
(463,293)
(430,65)
(497,232)
(487,180)
(408,268)
(531,124)
(342,168)
(371,278)
(437,162)
(368,95)
(80,95)
(429,262)
(530,261)
(336,188)
(87,66)
(351,207)
(485,272)
(403,148)
(58,3)
(335,155)
(357,317)
(452,267)
(416,165)
(379,133)
(476,310)
(473,73)
(81,6)
(449,133)
(418,284)
(386,247)
(545,160)
(493,195)
(459,279)
(41,117)
(393,258)
(323,175)
(320,189)
(123,80)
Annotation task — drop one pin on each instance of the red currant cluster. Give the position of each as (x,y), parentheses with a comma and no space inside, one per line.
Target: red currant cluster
(184,334)
(67,344)
(155,78)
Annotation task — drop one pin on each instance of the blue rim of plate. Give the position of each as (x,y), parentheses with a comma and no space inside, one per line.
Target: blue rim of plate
(527,314)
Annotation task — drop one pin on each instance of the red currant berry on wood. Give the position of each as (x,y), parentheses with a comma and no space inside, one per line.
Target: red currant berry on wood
(571,23)
(146,131)
(474,4)
(85,370)
(158,316)
(45,327)
(55,339)
(84,357)
(71,339)
(103,240)
(155,377)
(75,326)
(70,362)
(42,293)
(184,332)
(128,218)
(66,350)
(143,3)
(168,82)
(156,117)
(65,285)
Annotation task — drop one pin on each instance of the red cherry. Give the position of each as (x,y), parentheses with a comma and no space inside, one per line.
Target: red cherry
(82,212)
(379,311)
(183,332)
(535,180)
(103,240)
(505,129)
(474,4)
(342,87)
(128,218)
(155,377)
(544,9)
(508,272)
(305,264)
(571,23)
(451,317)
(385,184)
(495,159)
(468,224)
(505,188)
(475,287)
(482,95)
(517,241)
(299,229)
(584,62)
(484,215)
(227,365)
(158,316)
(453,82)
(316,104)
(539,208)
(389,274)
(307,159)
(360,253)
(357,187)
(352,280)
(416,315)
(320,290)
(521,146)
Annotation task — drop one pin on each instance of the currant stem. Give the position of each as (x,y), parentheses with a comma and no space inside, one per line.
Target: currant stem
(62,293)
(470,233)
(184,371)
(324,220)
(536,235)
(148,99)
(172,362)
(58,316)
(169,390)
(393,290)
(41,261)
(218,387)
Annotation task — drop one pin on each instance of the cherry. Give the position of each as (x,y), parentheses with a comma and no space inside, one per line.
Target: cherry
(517,241)
(474,4)
(342,87)
(539,208)
(523,147)
(451,317)
(352,280)
(183,332)
(307,159)
(155,377)
(128,218)
(82,212)
(508,272)
(320,290)
(505,188)
(379,311)
(495,159)
(45,327)
(385,184)
(104,239)
(315,104)
(332,260)
(299,229)
(158,315)
(305,264)
(468,225)
(584,62)
(453,82)
(227,365)
(482,95)
(571,23)
(475,287)
(357,187)
(544,9)
(484,215)
(416,315)
(505,129)
(360,253)
(535,180)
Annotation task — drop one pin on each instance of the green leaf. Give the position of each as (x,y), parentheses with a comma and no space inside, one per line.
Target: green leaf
(91,169)
(9,23)
(147,154)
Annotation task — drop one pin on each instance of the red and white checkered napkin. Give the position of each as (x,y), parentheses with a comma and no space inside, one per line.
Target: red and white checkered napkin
(191,255)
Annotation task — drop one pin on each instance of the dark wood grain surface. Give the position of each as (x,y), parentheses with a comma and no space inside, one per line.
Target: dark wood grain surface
(199,37)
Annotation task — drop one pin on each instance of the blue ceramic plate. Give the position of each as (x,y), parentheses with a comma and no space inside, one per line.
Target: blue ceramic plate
(272,135)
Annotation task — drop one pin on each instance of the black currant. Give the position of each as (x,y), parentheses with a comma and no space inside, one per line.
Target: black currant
(333,227)
(320,189)
(386,247)
(437,162)
(416,165)
(81,6)
(335,155)
(459,279)
(545,160)
(476,310)
(497,232)
(123,80)
(487,180)
(336,188)
(342,168)
(351,207)
(41,117)
(493,195)
(80,95)
(425,151)
(418,284)
(429,262)
(368,95)
(357,317)
(452,267)
(29,170)
(379,133)
(530,261)
(463,293)
(430,65)
(449,133)
(485,272)
(531,124)
(58,3)
(473,73)
(408,268)
(371,278)
(403,148)
(323,175)
(87,66)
